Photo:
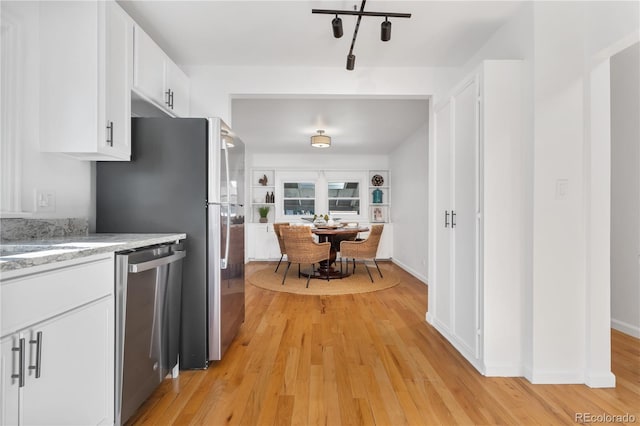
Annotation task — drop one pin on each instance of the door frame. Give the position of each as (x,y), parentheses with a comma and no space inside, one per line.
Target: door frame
(597,160)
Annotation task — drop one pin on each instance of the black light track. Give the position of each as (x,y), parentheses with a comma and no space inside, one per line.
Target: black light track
(337,25)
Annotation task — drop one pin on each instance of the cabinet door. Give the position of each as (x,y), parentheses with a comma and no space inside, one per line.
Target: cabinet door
(466,190)
(148,67)
(76,369)
(263,242)
(178,86)
(119,45)
(443,234)
(9,389)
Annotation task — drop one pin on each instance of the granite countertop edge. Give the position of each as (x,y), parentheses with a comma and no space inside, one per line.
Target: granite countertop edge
(113,243)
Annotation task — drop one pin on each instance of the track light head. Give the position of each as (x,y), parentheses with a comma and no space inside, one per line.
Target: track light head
(351,62)
(336,24)
(385,30)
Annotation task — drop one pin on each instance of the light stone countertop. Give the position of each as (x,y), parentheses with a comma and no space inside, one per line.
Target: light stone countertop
(16,255)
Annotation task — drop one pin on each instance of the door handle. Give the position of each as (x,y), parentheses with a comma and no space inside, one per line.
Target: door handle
(168,101)
(20,374)
(446,218)
(38,343)
(171,99)
(453,219)
(145,266)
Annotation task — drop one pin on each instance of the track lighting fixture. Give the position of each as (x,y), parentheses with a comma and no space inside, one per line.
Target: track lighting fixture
(336,25)
(385,30)
(351,61)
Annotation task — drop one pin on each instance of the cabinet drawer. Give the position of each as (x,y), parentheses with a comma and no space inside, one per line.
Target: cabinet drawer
(32,298)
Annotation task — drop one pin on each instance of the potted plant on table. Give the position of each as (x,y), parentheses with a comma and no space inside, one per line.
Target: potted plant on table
(264,211)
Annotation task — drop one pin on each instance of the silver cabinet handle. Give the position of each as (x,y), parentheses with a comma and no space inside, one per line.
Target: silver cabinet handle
(110,133)
(446,218)
(168,101)
(38,343)
(453,219)
(171,99)
(145,266)
(20,374)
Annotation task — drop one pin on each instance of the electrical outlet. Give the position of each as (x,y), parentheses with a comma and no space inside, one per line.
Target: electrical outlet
(45,201)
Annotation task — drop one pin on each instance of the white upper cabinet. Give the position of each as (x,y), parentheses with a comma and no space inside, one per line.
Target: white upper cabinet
(148,68)
(157,79)
(85,79)
(177,84)
(118,86)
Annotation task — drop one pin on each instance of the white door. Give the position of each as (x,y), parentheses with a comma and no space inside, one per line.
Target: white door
(76,369)
(443,235)
(118,80)
(465,288)
(9,386)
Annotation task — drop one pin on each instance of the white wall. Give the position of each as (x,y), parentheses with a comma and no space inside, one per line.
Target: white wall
(625,190)
(565,303)
(212,88)
(70,179)
(409,172)
(317,161)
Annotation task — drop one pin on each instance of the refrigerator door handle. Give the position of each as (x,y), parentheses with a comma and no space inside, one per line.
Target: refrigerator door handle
(226,169)
(224,260)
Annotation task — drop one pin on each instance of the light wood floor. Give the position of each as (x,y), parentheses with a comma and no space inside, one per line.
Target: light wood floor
(368,359)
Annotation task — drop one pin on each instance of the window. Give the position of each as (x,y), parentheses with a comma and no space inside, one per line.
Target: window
(299,198)
(344,198)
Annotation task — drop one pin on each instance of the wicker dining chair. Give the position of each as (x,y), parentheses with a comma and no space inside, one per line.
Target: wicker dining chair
(302,248)
(363,250)
(276,230)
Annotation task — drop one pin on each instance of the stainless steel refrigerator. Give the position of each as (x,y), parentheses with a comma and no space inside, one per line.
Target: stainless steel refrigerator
(186,175)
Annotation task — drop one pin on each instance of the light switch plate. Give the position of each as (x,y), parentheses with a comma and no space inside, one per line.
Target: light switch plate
(45,201)
(562,189)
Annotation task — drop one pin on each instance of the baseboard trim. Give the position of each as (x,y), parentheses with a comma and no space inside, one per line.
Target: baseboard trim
(410,270)
(601,380)
(558,377)
(626,328)
(503,371)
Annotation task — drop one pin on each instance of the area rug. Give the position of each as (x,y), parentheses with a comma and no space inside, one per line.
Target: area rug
(355,283)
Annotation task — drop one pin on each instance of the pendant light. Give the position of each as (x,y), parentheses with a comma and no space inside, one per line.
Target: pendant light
(320,140)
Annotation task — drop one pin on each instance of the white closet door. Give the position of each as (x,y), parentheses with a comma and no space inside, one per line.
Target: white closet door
(465,289)
(443,233)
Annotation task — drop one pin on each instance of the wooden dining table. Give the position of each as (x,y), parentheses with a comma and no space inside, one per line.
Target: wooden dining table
(334,235)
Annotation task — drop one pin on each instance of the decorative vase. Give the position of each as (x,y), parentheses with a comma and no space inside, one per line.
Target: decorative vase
(263,220)
(377,196)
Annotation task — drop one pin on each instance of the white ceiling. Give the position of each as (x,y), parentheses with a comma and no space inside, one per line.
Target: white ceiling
(286,33)
(371,126)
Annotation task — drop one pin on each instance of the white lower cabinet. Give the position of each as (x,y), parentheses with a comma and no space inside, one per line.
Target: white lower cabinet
(262,242)
(57,361)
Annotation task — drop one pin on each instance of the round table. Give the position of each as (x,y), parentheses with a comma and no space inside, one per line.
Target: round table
(334,235)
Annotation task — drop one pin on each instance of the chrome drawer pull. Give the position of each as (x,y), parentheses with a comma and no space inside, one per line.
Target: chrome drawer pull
(38,343)
(20,375)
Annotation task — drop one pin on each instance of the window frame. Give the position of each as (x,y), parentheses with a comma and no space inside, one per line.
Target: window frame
(348,213)
(284,198)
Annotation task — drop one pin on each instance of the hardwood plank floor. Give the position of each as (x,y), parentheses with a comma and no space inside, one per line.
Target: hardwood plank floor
(368,359)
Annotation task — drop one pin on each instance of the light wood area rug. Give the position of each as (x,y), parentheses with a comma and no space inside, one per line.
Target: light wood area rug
(359,282)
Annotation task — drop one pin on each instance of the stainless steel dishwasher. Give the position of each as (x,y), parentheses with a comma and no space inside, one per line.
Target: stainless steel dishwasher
(148,296)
